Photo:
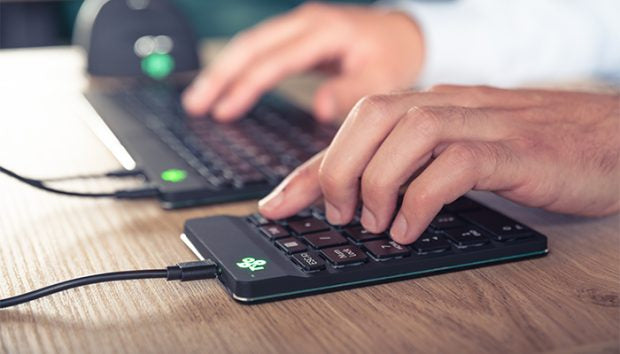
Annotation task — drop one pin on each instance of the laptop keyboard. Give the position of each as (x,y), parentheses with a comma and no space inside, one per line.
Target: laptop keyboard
(313,244)
(259,149)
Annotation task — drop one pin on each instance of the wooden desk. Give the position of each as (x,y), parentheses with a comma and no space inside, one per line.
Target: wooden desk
(567,301)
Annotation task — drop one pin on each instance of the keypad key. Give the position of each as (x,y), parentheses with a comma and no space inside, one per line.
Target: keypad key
(306,226)
(291,245)
(431,243)
(446,221)
(325,239)
(462,204)
(386,249)
(309,261)
(344,255)
(467,236)
(274,232)
(499,226)
(258,220)
(359,234)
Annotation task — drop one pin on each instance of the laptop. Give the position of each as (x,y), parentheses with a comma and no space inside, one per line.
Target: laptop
(195,160)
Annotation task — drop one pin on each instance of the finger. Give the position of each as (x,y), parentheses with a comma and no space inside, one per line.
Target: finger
(297,191)
(367,125)
(236,57)
(410,145)
(459,169)
(296,55)
(481,95)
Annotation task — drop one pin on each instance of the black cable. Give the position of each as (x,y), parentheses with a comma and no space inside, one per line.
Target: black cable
(182,271)
(122,173)
(144,192)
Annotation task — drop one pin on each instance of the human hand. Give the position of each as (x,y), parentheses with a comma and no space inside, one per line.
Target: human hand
(364,50)
(550,149)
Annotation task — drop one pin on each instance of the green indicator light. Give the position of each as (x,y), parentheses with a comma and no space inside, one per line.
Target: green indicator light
(174,175)
(252,264)
(157,65)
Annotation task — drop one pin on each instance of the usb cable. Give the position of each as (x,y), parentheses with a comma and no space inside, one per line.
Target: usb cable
(188,271)
(136,193)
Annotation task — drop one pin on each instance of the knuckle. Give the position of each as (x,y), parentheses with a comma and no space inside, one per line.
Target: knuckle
(371,108)
(463,154)
(425,120)
(439,88)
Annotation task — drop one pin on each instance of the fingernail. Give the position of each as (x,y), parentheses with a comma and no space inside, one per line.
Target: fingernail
(368,219)
(273,200)
(399,228)
(333,214)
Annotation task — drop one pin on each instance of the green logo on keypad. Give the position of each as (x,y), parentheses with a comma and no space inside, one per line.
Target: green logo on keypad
(252,264)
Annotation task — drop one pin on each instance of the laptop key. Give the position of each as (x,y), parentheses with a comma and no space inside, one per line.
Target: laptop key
(291,245)
(247,179)
(325,239)
(306,226)
(344,255)
(386,249)
(309,261)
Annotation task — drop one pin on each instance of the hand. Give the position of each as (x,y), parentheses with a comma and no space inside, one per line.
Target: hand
(550,149)
(365,50)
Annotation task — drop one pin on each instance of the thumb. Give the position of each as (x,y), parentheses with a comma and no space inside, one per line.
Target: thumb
(335,98)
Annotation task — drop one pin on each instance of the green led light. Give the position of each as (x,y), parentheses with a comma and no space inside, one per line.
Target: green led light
(252,264)
(157,65)
(174,175)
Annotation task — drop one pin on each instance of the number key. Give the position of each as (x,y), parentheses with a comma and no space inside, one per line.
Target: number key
(385,249)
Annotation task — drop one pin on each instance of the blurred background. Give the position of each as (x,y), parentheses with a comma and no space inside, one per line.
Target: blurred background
(48,23)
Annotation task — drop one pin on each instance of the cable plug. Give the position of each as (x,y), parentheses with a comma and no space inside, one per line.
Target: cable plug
(197,270)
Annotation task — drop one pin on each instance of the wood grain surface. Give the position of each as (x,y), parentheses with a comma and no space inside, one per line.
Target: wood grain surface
(568,301)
